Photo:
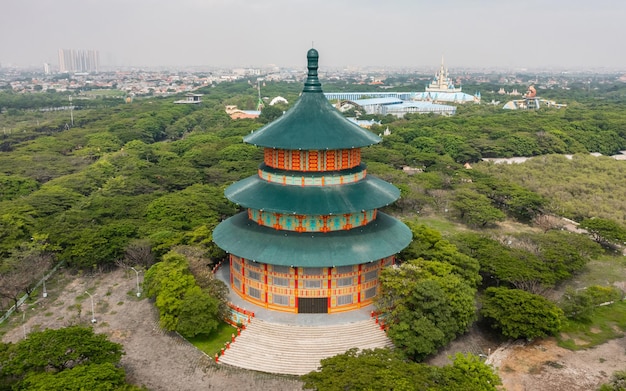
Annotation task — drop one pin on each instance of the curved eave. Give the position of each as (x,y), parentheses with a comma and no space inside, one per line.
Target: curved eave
(381,238)
(367,194)
(312,124)
(312,174)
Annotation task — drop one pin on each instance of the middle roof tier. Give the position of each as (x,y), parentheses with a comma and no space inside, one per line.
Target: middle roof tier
(367,194)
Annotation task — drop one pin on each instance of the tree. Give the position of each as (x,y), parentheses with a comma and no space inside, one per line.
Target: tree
(61,349)
(198,313)
(469,372)
(13,186)
(201,268)
(519,314)
(26,265)
(270,113)
(579,304)
(604,231)
(425,304)
(513,199)
(98,377)
(183,306)
(382,369)
(564,253)
(139,252)
(167,282)
(547,222)
(428,244)
(500,264)
(376,370)
(475,209)
(72,358)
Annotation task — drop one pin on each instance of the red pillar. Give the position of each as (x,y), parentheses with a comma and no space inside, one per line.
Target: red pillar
(265,282)
(296,286)
(330,284)
(243,276)
(359,284)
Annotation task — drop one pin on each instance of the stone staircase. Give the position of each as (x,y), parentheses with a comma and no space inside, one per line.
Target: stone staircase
(296,350)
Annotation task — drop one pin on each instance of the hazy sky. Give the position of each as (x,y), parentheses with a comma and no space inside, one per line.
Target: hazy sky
(469,33)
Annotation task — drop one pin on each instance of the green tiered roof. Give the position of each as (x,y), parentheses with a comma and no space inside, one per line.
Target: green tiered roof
(379,239)
(366,194)
(312,123)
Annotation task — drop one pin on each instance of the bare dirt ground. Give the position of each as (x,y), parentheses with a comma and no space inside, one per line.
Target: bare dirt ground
(163,361)
(542,365)
(155,359)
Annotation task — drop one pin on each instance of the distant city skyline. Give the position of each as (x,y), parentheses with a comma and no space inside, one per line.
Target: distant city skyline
(78,60)
(531,34)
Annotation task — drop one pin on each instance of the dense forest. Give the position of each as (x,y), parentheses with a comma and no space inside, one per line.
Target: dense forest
(148,177)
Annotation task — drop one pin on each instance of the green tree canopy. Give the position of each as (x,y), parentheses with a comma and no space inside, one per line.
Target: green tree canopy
(475,209)
(183,306)
(428,244)
(519,314)
(71,358)
(425,304)
(604,230)
(381,369)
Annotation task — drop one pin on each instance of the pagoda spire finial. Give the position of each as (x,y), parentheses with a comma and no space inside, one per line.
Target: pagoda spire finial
(312,83)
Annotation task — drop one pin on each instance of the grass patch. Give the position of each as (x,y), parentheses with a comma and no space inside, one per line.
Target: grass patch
(603,271)
(105,92)
(606,323)
(214,342)
(441,224)
(554,364)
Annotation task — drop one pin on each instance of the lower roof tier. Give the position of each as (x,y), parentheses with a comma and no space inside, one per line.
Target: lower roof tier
(244,238)
(366,194)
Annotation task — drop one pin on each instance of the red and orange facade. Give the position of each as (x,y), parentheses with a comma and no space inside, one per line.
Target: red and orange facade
(312,238)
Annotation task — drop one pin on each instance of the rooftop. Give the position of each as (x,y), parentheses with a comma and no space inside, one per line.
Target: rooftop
(312,123)
(366,194)
(378,239)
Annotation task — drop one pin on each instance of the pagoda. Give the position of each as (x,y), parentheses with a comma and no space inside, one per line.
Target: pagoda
(312,239)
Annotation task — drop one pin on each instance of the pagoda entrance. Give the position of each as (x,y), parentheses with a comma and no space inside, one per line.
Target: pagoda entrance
(312,305)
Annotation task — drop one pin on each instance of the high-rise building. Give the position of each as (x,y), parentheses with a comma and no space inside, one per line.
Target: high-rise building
(73,60)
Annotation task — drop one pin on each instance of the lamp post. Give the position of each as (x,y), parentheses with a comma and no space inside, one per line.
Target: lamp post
(45,292)
(137,273)
(71,112)
(93,314)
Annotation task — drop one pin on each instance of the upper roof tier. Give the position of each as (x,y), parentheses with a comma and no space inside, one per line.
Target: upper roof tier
(312,123)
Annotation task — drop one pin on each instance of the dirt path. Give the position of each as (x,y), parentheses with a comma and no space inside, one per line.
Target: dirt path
(154,358)
(542,365)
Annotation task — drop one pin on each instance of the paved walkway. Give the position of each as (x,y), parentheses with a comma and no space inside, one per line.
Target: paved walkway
(296,350)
